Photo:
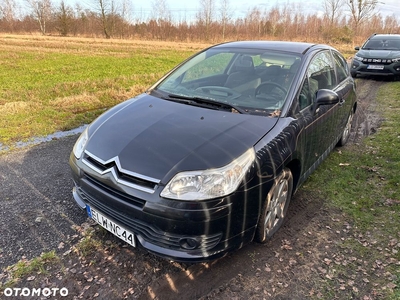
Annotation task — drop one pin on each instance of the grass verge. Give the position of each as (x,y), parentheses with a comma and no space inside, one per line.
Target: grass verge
(30,269)
(362,181)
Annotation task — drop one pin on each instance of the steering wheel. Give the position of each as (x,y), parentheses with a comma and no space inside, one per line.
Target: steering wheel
(273,85)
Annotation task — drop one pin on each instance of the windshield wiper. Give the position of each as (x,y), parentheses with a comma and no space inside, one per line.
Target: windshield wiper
(204,102)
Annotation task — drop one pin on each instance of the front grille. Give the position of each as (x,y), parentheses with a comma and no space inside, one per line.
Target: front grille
(379,61)
(122,176)
(149,233)
(115,193)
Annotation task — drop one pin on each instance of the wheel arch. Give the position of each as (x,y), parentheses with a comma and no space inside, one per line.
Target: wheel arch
(354,108)
(295,167)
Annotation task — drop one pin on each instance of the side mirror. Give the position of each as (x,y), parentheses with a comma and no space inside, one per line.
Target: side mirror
(357,48)
(326,97)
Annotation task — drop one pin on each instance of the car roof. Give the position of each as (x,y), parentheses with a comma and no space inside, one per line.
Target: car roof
(294,47)
(387,36)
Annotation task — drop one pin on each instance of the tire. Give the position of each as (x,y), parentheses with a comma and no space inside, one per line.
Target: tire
(353,74)
(346,131)
(275,207)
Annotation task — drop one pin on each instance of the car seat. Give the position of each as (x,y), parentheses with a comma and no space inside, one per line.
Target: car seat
(244,79)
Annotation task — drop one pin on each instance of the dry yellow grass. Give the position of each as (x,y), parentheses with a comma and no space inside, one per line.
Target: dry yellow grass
(80,44)
(76,103)
(12,108)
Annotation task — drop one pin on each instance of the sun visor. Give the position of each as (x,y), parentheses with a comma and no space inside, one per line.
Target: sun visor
(278,58)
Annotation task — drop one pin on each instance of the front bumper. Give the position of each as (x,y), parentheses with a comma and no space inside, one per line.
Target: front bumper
(360,68)
(178,230)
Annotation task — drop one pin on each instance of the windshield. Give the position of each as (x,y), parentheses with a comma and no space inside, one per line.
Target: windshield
(383,44)
(254,81)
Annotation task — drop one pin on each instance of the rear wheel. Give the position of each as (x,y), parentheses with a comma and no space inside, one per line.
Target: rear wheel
(346,131)
(275,207)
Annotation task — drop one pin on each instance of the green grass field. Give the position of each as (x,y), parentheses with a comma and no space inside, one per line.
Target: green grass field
(53,84)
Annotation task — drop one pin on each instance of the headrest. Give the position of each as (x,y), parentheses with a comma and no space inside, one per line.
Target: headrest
(244,61)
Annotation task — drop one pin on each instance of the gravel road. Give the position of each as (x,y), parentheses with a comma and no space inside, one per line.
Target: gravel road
(37,210)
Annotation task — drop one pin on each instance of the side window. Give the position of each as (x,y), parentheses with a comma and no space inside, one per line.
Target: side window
(214,65)
(342,68)
(320,75)
(321,69)
(258,61)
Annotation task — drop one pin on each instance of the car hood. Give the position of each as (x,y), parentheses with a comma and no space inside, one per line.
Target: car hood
(158,138)
(384,54)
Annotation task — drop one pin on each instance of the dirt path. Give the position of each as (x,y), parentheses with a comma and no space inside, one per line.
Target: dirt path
(41,216)
(366,120)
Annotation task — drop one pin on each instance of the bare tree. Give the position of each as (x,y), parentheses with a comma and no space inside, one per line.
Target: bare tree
(65,18)
(390,24)
(127,10)
(8,12)
(332,10)
(126,15)
(160,10)
(273,17)
(344,21)
(205,15)
(161,19)
(107,13)
(253,20)
(41,11)
(287,14)
(225,15)
(360,12)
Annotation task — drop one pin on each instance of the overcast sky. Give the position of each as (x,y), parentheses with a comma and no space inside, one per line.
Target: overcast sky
(189,8)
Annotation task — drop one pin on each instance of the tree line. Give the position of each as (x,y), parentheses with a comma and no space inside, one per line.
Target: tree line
(342,21)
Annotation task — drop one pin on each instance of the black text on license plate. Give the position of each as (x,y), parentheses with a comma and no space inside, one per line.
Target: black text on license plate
(111,226)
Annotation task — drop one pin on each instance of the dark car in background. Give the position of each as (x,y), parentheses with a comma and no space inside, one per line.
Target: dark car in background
(379,55)
(208,158)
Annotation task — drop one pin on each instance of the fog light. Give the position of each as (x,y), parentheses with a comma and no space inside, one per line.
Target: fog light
(189,243)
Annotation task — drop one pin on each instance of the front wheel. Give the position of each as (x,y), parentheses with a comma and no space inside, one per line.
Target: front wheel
(275,207)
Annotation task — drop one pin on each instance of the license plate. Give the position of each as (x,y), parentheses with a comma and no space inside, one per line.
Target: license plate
(376,67)
(111,226)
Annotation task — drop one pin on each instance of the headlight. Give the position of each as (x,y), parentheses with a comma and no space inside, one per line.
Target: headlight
(396,59)
(80,144)
(359,58)
(212,183)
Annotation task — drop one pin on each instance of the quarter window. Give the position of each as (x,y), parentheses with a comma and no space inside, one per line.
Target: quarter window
(305,97)
(342,68)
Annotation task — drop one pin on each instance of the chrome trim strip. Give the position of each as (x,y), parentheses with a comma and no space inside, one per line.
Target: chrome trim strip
(78,198)
(122,170)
